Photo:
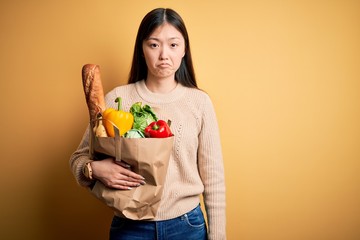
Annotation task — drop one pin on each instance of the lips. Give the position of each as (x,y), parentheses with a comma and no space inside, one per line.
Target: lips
(164,65)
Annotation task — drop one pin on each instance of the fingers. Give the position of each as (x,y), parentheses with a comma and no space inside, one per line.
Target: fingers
(116,175)
(131,175)
(126,170)
(128,175)
(131,179)
(125,183)
(126,179)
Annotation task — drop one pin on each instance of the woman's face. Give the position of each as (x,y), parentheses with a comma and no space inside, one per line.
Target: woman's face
(163,51)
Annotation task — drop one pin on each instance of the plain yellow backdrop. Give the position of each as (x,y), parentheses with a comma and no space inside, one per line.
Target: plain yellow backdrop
(284,78)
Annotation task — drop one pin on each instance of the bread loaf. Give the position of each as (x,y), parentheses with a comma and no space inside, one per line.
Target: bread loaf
(93,90)
(94,95)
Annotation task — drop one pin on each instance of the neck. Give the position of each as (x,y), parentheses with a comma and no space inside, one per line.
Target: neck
(160,85)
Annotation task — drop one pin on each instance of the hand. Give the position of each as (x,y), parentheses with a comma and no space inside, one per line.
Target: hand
(116,176)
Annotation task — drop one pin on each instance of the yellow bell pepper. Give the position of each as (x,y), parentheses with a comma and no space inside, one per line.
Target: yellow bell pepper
(121,119)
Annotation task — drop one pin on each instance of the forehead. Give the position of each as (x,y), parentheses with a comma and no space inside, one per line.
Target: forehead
(166,31)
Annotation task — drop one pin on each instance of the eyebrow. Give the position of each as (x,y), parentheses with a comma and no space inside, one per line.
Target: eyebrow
(157,39)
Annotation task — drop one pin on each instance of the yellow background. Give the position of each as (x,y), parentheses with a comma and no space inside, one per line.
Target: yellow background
(284,78)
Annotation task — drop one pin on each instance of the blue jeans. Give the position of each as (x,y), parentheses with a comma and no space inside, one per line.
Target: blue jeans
(190,226)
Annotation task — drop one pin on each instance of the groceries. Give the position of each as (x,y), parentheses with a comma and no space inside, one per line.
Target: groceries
(140,122)
(121,119)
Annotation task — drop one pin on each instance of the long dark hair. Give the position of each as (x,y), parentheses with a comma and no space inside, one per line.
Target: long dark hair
(185,74)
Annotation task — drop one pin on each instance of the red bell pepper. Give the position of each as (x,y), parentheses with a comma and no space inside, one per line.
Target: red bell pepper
(158,129)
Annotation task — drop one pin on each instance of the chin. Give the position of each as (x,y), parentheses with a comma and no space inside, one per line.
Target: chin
(166,74)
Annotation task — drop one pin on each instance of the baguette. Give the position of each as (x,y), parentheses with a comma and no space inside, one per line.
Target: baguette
(94,95)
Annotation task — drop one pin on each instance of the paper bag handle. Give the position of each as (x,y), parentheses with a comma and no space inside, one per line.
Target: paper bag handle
(117,145)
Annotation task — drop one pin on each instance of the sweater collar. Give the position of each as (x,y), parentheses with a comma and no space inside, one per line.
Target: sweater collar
(159,98)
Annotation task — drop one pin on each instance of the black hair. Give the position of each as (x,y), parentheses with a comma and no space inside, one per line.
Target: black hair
(185,74)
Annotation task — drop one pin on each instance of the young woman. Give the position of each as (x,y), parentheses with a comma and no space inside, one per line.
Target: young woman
(162,76)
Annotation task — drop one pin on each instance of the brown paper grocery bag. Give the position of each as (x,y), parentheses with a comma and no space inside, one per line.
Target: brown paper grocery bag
(148,157)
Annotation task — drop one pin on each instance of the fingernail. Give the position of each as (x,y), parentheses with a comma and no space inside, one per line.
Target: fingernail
(142,182)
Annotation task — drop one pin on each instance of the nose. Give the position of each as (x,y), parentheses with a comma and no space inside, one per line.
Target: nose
(163,53)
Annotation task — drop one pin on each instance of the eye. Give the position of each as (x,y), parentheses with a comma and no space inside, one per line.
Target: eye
(174,45)
(153,45)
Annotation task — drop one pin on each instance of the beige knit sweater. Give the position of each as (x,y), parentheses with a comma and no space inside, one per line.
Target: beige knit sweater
(196,164)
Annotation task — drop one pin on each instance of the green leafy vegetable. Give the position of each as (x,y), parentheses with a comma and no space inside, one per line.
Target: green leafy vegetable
(134,133)
(143,116)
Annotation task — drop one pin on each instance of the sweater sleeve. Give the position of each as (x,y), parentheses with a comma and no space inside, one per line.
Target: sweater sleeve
(212,172)
(79,158)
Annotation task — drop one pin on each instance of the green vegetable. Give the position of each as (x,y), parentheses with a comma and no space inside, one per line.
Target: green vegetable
(134,133)
(143,116)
